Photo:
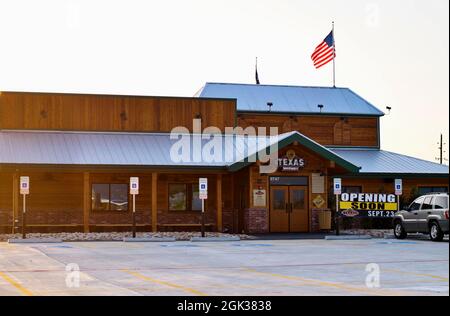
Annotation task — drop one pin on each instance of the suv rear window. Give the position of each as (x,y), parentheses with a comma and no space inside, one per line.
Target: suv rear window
(415,206)
(440,202)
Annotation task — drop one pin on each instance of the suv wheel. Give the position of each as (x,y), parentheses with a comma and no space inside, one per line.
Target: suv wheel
(436,233)
(399,231)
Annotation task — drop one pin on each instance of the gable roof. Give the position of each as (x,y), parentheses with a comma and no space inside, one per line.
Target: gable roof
(291,99)
(287,139)
(378,162)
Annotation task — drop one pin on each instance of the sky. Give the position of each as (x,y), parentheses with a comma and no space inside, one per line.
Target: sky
(393,53)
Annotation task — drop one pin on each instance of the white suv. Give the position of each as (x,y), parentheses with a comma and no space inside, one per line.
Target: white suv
(428,214)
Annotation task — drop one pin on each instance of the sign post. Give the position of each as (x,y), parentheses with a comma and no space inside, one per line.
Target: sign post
(203,195)
(398,191)
(337,188)
(24,190)
(134,190)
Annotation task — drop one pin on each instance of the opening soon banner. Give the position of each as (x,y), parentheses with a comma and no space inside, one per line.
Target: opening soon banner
(368,205)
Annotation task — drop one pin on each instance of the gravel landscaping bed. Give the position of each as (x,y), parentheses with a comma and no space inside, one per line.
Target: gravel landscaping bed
(118,236)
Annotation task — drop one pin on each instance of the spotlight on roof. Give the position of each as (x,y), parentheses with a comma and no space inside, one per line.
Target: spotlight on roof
(270,104)
(389,109)
(320,106)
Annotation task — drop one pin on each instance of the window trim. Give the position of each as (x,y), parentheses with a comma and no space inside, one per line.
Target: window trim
(109,210)
(189,198)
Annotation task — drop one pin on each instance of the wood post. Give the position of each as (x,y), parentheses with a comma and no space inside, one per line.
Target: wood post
(154,202)
(219,203)
(86,200)
(15,201)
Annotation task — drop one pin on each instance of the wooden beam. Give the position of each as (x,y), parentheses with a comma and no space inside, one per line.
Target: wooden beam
(219,203)
(154,202)
(86,201)
(15,201)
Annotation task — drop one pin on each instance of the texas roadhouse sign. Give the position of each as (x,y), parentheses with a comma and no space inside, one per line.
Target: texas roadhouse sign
(291,162)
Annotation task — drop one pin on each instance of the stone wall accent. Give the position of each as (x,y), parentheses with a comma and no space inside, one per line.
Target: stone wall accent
(257,221)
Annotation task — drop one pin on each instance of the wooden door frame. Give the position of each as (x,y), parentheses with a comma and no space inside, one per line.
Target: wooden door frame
(286,194)
(307,201)
(306,198)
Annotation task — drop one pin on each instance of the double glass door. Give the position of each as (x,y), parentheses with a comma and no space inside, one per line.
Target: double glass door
(289,209)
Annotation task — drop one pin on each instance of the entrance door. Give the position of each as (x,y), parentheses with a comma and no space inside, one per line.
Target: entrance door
(289,209)
(298,210)
(279,214)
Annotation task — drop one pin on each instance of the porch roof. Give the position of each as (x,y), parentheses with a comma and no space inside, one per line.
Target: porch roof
(146,149)
(154,150)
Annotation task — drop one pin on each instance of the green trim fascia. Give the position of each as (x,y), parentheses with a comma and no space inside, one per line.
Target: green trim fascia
(320,150)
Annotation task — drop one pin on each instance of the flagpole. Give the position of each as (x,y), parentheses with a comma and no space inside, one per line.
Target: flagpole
(334,58)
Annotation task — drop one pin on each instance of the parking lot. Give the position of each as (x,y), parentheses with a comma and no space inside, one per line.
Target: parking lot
(281,267)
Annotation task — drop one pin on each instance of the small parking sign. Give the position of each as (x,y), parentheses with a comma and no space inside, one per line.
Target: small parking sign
(337,186)
(398,187)
(203,188)
(134,186)
(25,185)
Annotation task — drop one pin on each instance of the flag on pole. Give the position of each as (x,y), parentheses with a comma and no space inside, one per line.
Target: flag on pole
(325,52)
(256,72)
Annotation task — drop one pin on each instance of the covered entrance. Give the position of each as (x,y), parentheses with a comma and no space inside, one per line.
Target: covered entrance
(289,209)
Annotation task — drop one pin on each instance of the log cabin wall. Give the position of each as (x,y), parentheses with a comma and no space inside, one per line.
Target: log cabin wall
(241,198)
(6,202)
(326,130)
(63,201)
(80,112)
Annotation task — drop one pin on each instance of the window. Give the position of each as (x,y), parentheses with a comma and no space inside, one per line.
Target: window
(426,205)
(110,197)
(415,206)
(351,189)
(440,202)
(427,190)
(184,197)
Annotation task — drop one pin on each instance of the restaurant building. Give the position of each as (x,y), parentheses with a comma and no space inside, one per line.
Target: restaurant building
(80,151)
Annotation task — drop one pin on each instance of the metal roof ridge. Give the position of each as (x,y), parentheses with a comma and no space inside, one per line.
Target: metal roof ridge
(273,85)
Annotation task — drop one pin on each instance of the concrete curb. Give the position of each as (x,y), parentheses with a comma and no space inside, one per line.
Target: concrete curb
(349,237)
(35,241)
(214,239)
(152,239)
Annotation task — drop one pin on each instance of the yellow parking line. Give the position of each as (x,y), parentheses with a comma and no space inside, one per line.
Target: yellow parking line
(180,287)
(339,286)
(18,286)
(418,274)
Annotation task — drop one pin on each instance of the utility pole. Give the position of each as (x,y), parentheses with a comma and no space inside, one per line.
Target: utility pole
(441,151)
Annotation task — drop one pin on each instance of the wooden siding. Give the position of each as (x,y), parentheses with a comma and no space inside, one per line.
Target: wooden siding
(62,201)
(47,111)
(326,130)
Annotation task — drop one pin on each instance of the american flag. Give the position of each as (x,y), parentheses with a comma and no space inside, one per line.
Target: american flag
(325,52)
